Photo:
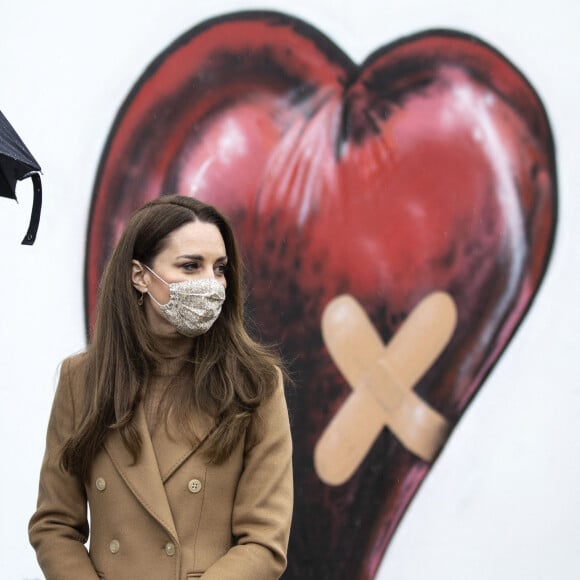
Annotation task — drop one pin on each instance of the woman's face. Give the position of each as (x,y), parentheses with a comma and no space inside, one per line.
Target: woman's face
(194,250)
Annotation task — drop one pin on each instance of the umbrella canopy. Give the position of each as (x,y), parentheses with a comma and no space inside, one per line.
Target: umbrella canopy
(17,163)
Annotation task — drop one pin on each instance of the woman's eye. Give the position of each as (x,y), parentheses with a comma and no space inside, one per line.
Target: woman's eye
(221,269)
(191,266)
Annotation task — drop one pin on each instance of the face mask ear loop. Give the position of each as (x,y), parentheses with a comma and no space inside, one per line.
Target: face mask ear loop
(156,275)
(160,278)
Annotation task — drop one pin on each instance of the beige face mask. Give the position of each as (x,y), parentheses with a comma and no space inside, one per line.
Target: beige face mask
(382,378)
(194,305)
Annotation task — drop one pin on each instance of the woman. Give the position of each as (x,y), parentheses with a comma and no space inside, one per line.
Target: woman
(172,426)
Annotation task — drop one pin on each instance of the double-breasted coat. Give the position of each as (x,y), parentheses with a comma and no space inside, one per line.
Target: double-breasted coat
(171,515)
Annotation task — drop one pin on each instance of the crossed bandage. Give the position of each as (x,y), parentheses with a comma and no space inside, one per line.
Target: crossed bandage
(382,378)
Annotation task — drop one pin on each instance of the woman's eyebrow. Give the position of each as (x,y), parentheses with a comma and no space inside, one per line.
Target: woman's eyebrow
(191,257)
(200,258)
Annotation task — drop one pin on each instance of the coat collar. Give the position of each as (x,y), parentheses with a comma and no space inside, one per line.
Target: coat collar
(172,450)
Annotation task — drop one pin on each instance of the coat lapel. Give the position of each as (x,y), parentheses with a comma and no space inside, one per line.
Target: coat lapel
(172,450)
(143,477)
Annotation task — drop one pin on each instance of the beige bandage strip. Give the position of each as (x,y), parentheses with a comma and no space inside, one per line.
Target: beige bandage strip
(382,378)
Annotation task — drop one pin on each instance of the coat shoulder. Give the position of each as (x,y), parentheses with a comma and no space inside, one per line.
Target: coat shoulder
(73,371)
(76,363)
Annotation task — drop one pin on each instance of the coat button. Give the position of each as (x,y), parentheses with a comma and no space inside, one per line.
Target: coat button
(194,485)
(100,484)
(170,548)
(114,546)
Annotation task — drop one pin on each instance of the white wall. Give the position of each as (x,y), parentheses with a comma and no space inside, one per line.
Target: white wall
(502,501)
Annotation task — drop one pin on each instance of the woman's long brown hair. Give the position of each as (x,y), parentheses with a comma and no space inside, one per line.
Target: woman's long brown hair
(227,377)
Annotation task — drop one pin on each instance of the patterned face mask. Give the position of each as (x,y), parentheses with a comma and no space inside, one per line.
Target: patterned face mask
(194,305)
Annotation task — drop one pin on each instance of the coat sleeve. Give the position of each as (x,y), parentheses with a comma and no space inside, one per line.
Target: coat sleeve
(59,528)
(264,499)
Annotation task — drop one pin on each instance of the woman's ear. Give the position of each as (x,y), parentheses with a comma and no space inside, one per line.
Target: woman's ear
(138,276)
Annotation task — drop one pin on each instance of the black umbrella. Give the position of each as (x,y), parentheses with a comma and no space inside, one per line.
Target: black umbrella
(17,163)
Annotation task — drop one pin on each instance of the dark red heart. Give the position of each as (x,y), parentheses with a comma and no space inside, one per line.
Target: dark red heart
(429,167)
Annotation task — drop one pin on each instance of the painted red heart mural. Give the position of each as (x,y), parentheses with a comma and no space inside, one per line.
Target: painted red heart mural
(430,167)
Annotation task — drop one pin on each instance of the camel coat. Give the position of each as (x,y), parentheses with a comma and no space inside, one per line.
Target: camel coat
(171,516)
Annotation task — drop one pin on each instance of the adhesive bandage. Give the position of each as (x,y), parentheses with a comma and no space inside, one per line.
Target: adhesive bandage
(382,379)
